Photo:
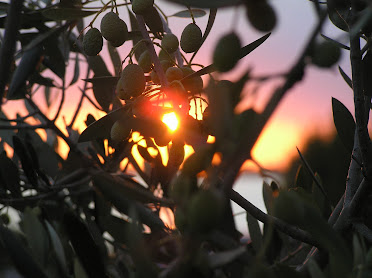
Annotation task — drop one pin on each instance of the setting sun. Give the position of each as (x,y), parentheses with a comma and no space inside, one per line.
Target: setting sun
(171,120)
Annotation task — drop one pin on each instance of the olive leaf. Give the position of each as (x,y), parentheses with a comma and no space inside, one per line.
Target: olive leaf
(345,124)
(117,192)
(254,232)
(153,21)
(115,58)
(26,161)
(61,13)
(187,13)
(9,175)
(36,234)
(57,247)
(29,61)
(76,70)
(244,51)
(207,3)
(367,71)
(20,255)
(102,127)
(84,245)
(345,77)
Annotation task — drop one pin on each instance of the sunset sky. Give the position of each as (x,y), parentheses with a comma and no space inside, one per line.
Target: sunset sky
(304,112)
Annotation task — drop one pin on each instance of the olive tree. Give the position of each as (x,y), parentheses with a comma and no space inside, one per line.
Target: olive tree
(87,215)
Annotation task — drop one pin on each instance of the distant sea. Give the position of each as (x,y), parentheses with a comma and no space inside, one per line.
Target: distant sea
(249,185)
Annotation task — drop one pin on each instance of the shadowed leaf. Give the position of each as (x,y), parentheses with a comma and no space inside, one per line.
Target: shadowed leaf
(207,3)
(153,21)
(136,38)
(186,13)
(26,161)
(254,233)
(59,13)
(116,193)
(36,234)
(84,245)
(58,247)
(102,127)
(243,52)
(345,124)
(345,77)
(27,65)
(9,175)
(76,70)
(222,258)
(20,255)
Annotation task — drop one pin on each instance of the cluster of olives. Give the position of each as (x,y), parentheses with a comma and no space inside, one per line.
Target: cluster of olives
(113,29)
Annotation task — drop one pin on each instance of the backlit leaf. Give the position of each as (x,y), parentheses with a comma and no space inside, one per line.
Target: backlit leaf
(345,124)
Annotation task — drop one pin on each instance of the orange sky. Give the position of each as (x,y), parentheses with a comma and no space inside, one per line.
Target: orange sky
(304,112)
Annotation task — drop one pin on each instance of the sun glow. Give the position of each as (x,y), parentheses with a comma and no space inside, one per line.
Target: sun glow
(171,120)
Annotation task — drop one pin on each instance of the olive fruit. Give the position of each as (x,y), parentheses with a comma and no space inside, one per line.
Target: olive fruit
(170,43)
(166,56)
(194,84)
(114,29)
(182,187)
(145,61)
(325,54)
(165,64)
(173,73)
(120,131)
(227,52)
(140,7)
(92,42)
(261,15)
(205,210)
(132,82)
(191,38)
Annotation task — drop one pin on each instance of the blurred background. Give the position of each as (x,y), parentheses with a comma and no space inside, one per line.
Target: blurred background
(303,119)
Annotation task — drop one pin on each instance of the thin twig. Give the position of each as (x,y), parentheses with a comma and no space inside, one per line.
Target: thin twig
(62,99)
(286,228)
(19,127)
